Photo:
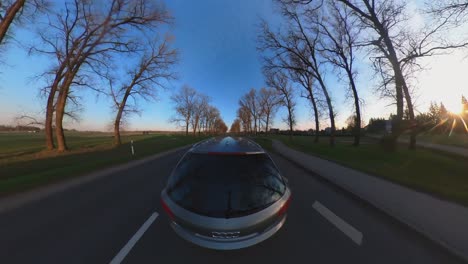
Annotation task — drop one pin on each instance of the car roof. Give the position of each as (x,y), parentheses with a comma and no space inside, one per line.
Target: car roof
(227,145)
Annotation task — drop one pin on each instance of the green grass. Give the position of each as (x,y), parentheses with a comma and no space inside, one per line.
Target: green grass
(89,153)
(266,143)
(20,144)
(442,175)
(458,140)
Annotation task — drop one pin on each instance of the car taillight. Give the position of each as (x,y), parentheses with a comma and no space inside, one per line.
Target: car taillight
(285,206)
(167,209)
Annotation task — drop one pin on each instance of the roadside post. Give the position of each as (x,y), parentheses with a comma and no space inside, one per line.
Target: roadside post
(133,150)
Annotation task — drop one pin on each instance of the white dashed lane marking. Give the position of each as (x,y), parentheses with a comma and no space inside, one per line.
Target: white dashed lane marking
(126,249)
(354,234)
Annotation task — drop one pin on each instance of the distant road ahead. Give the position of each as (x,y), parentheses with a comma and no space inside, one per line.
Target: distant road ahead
(120,217)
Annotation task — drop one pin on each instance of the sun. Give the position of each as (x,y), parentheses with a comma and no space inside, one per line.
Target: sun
(454,106)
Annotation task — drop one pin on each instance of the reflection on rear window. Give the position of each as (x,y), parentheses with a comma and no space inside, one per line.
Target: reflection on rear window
(226,185)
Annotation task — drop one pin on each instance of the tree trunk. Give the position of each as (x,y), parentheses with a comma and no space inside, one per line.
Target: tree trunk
(48,121)
(50,108)
(117,140)
(9,17)
(357,129)
(266,123)
(409,104)
(314,106)
(195,126)
(118,118)
(60,109)
(186,127)
(59,114)
(399,83)
(255,126)
(330,112)
(290,123)
(357,121)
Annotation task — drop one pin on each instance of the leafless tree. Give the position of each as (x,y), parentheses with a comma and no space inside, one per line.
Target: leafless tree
(28,120)
(213,121)
(154,69)
(397,48)
(246,119)
(340,32)
(11,11)
(249,102)
(8,12)
(269,101)
(201,104)
(279,81)
(83,38)
(236,126)
(283,50)
(455,10)
(306,81)
(219,127)
(212,117)
(184,103)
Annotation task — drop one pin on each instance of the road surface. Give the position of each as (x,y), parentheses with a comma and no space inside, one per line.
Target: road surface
(119,218)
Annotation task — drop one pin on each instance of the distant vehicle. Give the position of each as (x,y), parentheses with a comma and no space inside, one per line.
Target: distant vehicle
(226,193)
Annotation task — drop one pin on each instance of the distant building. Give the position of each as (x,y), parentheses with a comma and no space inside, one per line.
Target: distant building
(328,130)
(274,130)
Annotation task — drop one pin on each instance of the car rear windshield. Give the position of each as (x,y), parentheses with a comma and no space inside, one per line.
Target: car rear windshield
(225,185)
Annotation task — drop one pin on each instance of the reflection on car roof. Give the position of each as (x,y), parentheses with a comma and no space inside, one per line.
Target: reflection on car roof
(227,145)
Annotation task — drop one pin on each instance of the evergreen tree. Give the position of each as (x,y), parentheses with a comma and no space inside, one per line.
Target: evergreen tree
(434,113)
(464,105)
(443,112)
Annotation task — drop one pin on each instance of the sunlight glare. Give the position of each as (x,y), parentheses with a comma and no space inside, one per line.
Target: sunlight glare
(454,124)
(444,80)
(464,124)
(454,106)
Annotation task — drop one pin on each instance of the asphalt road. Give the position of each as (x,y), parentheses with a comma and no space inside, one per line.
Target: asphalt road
(97,221)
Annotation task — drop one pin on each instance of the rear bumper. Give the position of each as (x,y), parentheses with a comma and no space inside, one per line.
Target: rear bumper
(224,243)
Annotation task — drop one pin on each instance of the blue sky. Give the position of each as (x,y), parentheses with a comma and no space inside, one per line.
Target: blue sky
(217,43)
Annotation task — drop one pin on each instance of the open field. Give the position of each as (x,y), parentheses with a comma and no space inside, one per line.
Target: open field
(30,167)
(437,173)
(14,145)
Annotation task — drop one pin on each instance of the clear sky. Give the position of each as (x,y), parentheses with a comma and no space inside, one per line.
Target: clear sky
(217,42)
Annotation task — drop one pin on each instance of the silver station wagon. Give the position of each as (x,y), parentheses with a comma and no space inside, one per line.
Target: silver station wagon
(226,193)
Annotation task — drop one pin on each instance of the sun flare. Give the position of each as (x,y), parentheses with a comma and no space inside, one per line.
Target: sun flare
(454,107)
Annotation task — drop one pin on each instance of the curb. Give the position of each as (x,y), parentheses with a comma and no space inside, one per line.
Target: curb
(20,199)
(442,243)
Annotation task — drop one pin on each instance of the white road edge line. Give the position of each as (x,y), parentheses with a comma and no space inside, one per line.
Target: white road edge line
(346,228)
(126,249)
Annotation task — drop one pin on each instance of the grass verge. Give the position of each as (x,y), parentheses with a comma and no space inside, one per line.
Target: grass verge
(457,140)
(445,176)
(23,175)
(266,143)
